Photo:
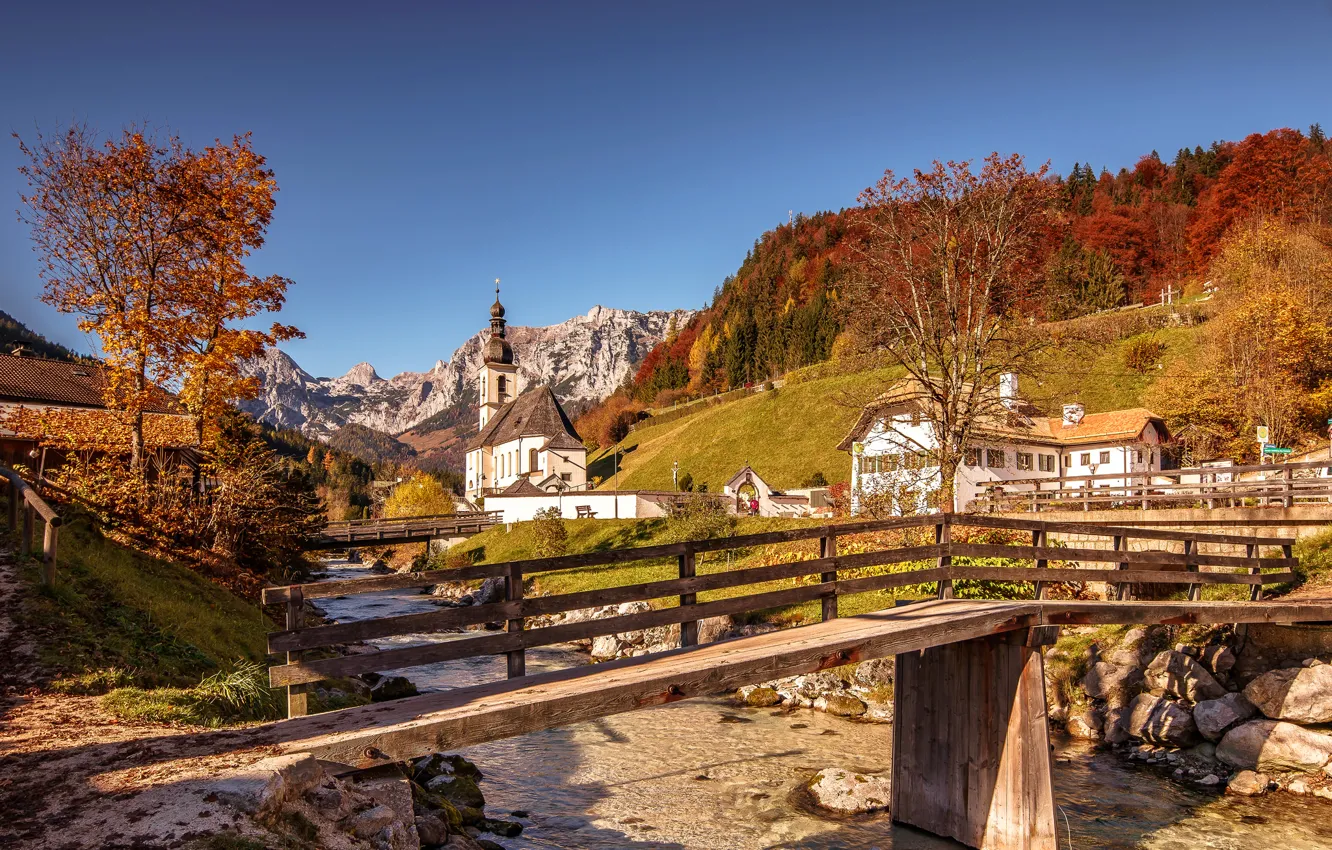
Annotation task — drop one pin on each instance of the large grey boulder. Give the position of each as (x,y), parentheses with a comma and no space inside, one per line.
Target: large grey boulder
(1214,716)
(1178,674)
(1273,745)
(1162,721)
(869,674)
(1218,658)
(1085,723)
(1110,681)
(1298,694)
(841,705)
(848,792)
(1115,728)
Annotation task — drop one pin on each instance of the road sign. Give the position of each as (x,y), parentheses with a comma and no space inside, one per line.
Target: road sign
(1276,450)
(1262,433)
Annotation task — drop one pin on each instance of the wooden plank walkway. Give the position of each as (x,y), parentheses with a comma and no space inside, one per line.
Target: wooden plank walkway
(408,728)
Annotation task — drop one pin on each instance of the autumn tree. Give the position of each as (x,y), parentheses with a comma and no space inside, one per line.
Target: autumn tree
(420,495)
(233,195)
(113,225)
(145,241)
(945,269)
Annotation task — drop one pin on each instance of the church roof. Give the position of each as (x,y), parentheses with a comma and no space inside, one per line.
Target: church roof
(522,487)
(535,413)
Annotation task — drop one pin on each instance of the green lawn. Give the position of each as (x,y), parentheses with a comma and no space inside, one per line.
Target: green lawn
(119,616)
(786,435)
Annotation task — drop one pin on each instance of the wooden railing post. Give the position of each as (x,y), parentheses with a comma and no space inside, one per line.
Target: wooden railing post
(943,535)
(297,695)
(1146,482)
(1122,591)
(49,538)
(688,628)
(1255,592)
(1287,488)
(828,549)
(1038,539)
(513,592)
(28,522)
(1195,590)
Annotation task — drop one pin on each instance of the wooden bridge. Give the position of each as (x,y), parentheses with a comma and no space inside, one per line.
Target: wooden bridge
(383,532)
(971,757)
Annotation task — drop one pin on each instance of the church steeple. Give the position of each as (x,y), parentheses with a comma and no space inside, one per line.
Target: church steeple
(497,377)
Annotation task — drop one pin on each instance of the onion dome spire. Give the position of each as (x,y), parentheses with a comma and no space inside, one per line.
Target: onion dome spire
(497,347)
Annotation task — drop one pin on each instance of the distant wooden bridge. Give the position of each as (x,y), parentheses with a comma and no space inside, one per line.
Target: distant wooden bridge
(971,757)
(384,532)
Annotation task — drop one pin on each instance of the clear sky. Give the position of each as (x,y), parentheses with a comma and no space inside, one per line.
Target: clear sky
(619,153)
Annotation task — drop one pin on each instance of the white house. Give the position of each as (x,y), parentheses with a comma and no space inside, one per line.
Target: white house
(526,440)
(893,446)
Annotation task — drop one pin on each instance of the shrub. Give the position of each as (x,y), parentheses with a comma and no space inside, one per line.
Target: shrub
(549,534)
(686,483)
(699,518)
(1141,354)
(815,480)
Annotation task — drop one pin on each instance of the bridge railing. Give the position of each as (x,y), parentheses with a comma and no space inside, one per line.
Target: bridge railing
(371,531)
(1266,485)
(820,578)
(23,498)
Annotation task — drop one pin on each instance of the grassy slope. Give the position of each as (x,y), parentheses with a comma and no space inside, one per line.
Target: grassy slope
(786,435)
(792,433)
(114,608)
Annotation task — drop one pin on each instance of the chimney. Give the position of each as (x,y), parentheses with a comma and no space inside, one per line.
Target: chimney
(1008,390)
(1073,414)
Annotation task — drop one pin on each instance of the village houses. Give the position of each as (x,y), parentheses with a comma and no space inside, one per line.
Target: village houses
(893,443)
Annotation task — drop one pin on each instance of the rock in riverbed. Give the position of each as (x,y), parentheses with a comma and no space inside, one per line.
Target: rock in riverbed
(847,792)
(1297,694)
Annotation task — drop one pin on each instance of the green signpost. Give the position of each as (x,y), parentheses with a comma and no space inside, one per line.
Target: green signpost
(1276,450)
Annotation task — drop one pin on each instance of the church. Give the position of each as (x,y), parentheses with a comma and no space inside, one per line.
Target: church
(526,444)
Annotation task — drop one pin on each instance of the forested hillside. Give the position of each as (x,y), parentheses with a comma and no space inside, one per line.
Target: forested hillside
(1118,238)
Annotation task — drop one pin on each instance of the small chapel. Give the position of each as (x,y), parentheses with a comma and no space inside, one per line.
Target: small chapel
(526,444)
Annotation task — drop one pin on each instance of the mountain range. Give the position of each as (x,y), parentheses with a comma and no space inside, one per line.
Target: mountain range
(583,359)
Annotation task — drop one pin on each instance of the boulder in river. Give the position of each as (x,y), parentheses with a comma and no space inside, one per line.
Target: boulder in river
(1178,674)
(1162,721)
(1110,681)
(758,696)
(1273,745)
(1085,723)
(1247,783)
(841,705)
(1297,694)
(1214,716)
(392,687)
(848,792)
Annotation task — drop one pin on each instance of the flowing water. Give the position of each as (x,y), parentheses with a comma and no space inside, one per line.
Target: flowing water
(705,774)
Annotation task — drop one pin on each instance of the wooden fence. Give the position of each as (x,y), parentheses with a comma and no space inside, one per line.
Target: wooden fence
(1266,485)
(371,531)
(1130,568)
(33,506)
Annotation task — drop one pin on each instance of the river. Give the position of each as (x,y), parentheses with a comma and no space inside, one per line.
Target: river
(706,774)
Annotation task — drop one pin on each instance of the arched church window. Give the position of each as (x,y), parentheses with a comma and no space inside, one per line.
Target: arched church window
(501,386)
(532,460)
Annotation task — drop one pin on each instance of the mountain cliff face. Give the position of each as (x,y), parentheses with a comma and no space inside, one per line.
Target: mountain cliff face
(583,359)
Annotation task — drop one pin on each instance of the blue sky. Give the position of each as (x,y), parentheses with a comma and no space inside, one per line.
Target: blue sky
(621,153)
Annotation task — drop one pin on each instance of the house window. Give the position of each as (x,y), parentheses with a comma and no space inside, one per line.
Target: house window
(1137,455)
(1105,457)
(501,386)
(1068,460)
(1047,463)
(972,457)
(531,460)
(994,458)
(1085,458)
(1024,461)
(564,476)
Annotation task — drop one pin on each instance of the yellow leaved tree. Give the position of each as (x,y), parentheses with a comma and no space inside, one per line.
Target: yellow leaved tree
(420,495)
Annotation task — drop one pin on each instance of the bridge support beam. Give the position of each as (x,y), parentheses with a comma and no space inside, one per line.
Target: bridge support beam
(971,751)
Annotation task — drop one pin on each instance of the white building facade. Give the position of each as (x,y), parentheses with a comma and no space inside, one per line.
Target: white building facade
(524,441)
(894,450)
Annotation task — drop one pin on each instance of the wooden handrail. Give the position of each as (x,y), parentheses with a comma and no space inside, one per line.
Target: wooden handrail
(406,520)
(1192,568)
(33,505)
(1171,473)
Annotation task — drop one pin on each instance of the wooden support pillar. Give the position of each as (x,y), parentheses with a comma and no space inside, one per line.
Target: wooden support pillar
(689,628)
(513,592)
(1287,489)
(297,695)
(828,549)
(971,749)
(943,535)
